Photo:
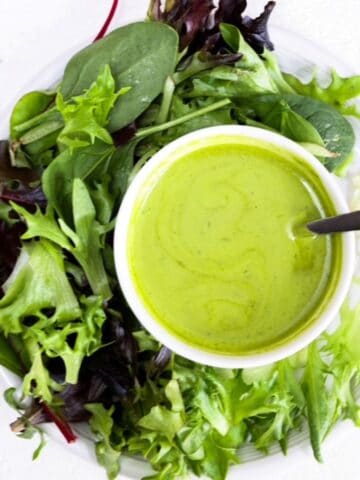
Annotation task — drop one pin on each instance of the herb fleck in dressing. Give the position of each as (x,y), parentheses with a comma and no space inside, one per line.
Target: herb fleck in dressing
(217,251)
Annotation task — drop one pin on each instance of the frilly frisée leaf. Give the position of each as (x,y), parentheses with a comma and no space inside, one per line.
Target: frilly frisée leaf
(338,92)
(86,115)
(40,304)
(102,423)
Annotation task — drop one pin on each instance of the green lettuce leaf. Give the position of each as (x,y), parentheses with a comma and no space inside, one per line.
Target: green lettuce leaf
(101,423)
(86,116)
(254,74)
(85,242)
(31,288)
(343,348)
(163,421)
(29,106)
(90,164)
(318,401)
(9,358)
(40,305)
(37,382)
(337,93)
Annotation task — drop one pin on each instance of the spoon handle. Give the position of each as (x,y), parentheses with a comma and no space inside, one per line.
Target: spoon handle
(341,223)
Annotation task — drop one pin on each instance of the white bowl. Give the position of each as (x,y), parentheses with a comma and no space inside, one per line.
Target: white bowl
(146,318)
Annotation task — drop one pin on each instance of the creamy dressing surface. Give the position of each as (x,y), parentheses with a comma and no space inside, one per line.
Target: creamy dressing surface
(218,252)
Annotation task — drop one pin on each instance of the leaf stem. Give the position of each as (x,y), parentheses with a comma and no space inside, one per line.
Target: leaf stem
(166,101)
(50,114)
(144,132)
(63,426)
(41,131)
(107,22)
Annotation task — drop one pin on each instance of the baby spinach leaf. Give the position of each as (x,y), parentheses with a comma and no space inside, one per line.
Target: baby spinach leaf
(293,125)
(140,55)
(335,130)
(306,120)
(274,112)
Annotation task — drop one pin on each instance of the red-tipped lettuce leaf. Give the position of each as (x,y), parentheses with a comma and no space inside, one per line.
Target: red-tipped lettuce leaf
(23,194)
(197,23)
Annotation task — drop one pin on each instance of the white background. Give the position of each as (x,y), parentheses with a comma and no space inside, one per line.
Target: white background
(32,34)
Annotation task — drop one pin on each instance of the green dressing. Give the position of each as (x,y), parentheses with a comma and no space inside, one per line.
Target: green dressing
(218,250)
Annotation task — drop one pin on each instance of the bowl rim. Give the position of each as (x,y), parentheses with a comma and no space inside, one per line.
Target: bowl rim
(173,342)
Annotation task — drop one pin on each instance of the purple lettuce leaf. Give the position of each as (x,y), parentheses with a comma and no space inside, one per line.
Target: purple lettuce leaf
(197,23)
(255,30)
(10,248)
(23,194)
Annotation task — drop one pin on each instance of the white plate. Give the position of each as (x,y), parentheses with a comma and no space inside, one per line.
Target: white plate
(299,56)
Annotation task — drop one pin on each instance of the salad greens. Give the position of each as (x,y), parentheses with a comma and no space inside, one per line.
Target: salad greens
(64,325)
(199,416)
(337,93)
(129,52)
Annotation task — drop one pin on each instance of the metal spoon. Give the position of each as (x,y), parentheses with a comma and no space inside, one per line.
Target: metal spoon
(340,223)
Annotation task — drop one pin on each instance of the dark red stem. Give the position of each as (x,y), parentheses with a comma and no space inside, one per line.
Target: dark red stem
(106,25)
(64,427)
